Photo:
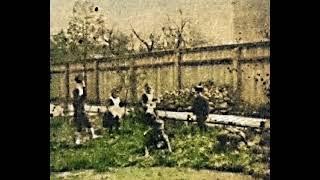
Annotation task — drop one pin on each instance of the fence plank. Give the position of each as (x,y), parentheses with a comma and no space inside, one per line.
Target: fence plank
(97,82)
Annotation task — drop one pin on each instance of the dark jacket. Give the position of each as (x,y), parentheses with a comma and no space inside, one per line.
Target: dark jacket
(200,106)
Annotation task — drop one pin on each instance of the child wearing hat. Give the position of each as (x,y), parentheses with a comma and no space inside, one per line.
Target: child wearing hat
(200,107)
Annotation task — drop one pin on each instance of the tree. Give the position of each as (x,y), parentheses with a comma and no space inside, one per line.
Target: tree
(175,34)
(85,27)
(116,43)
(84,30)
(149,44)
(59,47)
(179,33)
(90,35)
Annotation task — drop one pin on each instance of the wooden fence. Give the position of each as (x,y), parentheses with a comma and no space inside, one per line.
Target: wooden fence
(245,67)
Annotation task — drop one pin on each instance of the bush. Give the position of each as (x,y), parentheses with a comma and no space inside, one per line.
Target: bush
(222,100)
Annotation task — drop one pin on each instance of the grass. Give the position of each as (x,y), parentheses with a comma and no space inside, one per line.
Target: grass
(191,149)
(154,173)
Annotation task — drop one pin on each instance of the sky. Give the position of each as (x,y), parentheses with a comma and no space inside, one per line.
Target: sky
(210,17)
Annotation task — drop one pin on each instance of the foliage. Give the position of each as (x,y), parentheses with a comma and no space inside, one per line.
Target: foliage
(88,35)
(59,47)
(221,98)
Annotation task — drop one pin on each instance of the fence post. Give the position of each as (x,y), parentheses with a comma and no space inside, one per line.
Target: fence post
(67,90)
(133,80)
(158,82)
(237,71)
(97,83)
(179,69)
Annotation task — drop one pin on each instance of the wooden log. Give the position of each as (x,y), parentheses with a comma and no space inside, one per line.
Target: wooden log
(213,119)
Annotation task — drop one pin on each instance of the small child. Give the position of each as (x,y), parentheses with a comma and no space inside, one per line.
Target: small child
(115,111)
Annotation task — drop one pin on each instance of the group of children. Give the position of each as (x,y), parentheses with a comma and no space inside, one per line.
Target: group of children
(155,135)
(115,111)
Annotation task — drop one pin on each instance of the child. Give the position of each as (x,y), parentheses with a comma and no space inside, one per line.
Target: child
(115,111)
(156,136)
(80,118)
(200,108)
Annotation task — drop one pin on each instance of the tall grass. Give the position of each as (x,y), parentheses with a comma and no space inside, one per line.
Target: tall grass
(191,148)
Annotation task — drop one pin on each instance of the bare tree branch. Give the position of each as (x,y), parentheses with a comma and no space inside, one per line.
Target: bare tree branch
(149,47)
(177,32)
(172,22)
(137,35)
(184,23)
